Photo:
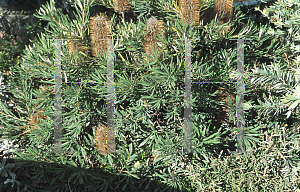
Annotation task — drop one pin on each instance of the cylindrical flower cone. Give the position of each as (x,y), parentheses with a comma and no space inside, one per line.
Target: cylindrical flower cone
(100,139)
(100,30)
(154,27)
(190,11)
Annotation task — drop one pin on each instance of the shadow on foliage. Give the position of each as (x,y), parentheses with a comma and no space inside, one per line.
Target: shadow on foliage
(50,177)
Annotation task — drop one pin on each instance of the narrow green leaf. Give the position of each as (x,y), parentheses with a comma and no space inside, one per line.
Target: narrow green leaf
(110,160)
(71,162)
(294,104)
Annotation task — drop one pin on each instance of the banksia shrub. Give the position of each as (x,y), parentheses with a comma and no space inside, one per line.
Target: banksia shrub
(154,27)
(99,30)
(221,6)
(190,11)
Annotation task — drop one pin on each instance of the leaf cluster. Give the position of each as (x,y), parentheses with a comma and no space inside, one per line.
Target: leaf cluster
(149,106)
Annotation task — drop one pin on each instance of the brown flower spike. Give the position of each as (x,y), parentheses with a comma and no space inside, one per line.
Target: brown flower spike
(100,139)
(100,30)
(74,46)
(121,6)
(154,28)
(190,11)
(221,7)
(223,114)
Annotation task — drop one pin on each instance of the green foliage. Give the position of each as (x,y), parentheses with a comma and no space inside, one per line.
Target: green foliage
(13,43)
(283,80)
(149,108)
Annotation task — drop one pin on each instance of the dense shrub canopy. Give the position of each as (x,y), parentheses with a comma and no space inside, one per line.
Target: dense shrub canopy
(149,69)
